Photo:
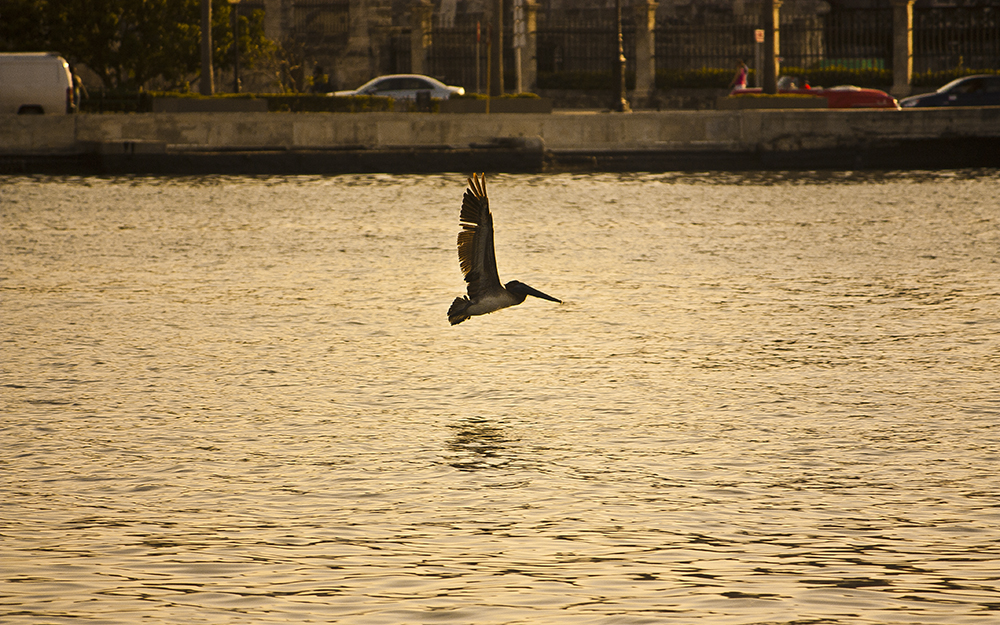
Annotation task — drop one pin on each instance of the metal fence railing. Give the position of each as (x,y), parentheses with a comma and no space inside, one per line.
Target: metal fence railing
(452,56)
(705,44)
(585,44)
(956,37)
(855,39)
(320,21)
(858,39)
(944,39)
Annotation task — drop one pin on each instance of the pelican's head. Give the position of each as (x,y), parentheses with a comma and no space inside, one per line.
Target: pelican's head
(521,289)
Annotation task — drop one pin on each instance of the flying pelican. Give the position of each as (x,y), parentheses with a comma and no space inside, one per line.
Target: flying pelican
(479,261)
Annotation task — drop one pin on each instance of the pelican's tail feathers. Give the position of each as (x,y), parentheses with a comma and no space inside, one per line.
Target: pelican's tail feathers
(457,313)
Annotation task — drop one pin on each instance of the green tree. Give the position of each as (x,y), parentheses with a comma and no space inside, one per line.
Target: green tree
(127,43)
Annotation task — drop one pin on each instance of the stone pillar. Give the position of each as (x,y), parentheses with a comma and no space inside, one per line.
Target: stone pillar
(529,54)
(902,47)
(496,62)
(645,52)
(353,65)
(272,19)
(772,24)
(421,20)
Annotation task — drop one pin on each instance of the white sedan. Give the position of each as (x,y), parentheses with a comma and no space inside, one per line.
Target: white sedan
(404,87)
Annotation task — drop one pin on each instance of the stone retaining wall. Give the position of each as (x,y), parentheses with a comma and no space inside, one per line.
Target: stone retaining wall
(726,133)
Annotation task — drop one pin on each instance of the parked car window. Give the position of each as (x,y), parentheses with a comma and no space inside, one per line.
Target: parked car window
(415,83)
(993,85)
(390,84)
(971,86)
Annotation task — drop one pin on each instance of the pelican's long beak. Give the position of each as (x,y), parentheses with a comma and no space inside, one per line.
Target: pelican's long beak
(537,293)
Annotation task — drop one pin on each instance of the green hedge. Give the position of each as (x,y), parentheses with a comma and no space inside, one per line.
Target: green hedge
(582,80)
(327,104)
(835,76)
(483,96)
(704,78)
(116,101)
(715,78)
(142,102)
(774,95)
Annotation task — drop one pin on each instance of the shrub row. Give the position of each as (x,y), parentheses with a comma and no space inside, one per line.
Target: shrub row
(142,102)
(483,96)
(581,80)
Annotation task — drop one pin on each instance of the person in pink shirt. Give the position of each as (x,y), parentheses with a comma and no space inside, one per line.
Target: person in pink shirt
(740,79)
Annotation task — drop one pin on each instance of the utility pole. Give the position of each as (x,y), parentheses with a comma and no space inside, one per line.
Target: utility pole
(207,72)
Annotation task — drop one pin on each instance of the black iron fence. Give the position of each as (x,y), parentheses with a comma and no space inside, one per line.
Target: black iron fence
(956,38)
(454,53)
(583,45)
(320,21)
(856,39)
(588,43)
(453,57)
(714,43)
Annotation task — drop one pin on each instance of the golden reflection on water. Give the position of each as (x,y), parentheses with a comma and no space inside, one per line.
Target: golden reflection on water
(766,398)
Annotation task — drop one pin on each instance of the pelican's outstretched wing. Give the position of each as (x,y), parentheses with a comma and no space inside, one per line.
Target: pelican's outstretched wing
(475,241)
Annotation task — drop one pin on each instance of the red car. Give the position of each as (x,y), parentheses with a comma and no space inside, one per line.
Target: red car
(843,97)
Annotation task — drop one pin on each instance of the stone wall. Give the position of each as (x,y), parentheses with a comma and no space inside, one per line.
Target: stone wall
(748,130)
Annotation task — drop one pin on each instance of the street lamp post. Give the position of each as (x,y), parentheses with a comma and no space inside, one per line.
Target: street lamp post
(496,74)
(235,5)
(207,73)
(618,101)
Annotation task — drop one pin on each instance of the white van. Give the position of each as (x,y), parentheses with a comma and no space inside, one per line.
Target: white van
(35,83)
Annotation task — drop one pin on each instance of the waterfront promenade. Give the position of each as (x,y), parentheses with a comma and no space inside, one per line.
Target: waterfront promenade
(319,143)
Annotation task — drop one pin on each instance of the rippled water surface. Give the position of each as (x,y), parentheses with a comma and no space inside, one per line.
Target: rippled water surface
(766,399)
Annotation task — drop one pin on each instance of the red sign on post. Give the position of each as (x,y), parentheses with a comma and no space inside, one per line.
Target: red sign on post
(759,35)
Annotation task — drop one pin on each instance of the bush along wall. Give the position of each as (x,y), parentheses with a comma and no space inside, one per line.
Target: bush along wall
(115,101)
(142,102)
(582,80)
(483,96)
(704,78)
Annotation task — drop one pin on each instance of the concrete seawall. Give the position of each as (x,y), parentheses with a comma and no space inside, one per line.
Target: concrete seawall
(400,142)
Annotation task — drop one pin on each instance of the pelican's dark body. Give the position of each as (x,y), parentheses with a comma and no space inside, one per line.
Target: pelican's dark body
(479,263)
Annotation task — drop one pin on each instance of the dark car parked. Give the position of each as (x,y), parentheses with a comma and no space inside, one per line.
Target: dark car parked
(979,90)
